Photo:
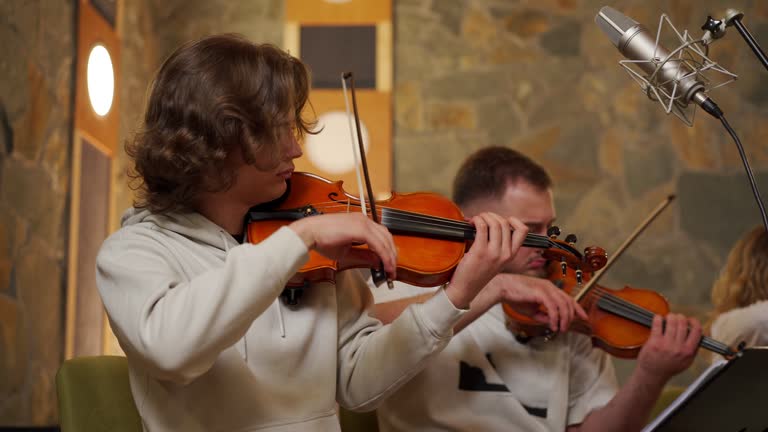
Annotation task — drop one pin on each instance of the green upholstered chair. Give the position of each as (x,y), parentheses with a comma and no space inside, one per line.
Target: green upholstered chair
(94,396)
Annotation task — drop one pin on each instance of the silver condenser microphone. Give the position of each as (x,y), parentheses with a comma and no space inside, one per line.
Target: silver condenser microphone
(668,74)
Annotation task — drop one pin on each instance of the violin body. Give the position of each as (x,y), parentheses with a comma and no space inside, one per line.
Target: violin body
(614,334)
(421,260)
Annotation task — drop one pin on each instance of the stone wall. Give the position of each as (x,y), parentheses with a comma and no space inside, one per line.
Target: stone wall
(37,42)
(540,77)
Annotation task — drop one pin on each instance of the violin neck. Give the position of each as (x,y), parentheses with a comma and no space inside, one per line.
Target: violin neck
(446,229)
(632,312)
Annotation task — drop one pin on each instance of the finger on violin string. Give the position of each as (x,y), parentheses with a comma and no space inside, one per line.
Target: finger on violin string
(672,329)
(519,232)
(497,227)
(658,326)
(481,231)
(694,334)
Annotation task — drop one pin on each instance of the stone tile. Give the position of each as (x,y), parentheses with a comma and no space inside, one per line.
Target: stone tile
(478,28)
(563,40)
(40,281)
(6,135)
(672,265)
(595,216)
(717,208)
(409,113)
(611,151)
(509,53)
(500,118)
(13,233)
(42,386)
(693,147)
(451,13)
(450,115)
(13,354)
(42,209)
(13,406)
(470,85)
(29,130)
(428,162)
(648,164)
(526,23)
(56,158)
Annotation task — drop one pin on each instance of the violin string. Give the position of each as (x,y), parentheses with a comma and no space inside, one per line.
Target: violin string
(453,227)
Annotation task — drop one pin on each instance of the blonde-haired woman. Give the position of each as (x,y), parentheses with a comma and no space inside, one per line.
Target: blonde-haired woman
(740,294)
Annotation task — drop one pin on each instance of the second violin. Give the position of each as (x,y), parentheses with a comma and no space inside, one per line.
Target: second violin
(619,320)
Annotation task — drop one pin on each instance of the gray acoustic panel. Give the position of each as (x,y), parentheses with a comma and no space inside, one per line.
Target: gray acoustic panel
(331,50)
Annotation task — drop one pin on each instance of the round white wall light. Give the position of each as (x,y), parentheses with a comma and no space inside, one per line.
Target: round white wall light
(100,79)
(330,150)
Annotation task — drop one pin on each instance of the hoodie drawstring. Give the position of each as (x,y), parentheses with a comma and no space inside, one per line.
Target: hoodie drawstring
(279,306)
(280,317)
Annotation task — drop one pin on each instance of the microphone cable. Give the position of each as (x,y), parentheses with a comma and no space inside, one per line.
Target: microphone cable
(747,168)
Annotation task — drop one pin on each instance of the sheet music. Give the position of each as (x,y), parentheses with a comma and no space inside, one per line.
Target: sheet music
(711,371)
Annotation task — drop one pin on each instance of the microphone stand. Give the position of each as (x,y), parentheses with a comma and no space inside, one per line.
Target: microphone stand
(733,17)
(716,30)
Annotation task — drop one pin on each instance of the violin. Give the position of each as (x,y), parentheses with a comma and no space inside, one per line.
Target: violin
(619,321)
(429,231)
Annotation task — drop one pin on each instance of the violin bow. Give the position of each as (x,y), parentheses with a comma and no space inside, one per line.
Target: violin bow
(614,256)
(377,274)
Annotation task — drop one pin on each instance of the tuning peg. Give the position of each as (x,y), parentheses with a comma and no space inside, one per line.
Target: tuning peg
(571,239)
(553,232)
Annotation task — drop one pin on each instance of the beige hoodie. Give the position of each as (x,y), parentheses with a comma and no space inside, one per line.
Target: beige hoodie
(211,347)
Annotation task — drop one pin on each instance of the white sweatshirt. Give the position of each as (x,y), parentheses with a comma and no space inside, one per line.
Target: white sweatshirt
(210,346)
(748,324)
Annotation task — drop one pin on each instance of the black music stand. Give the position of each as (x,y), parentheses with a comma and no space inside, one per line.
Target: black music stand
(730,397)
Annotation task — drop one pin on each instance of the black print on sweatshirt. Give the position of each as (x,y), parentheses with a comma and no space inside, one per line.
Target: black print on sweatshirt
(472,378)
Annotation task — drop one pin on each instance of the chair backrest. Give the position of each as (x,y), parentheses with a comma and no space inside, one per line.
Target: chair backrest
(95,396)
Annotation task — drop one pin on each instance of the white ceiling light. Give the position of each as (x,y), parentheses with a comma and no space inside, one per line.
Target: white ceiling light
(101,80)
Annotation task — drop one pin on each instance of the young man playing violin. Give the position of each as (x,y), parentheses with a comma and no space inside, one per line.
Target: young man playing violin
(209,342)
(487,380)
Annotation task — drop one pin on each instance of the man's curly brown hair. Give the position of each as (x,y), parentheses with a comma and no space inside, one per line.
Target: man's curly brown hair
(211,97)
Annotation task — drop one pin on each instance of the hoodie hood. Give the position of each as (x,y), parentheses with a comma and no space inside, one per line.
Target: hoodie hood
(191,225)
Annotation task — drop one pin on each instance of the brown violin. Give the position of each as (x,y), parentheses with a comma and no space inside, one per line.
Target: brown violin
(619,320)
(429,231)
